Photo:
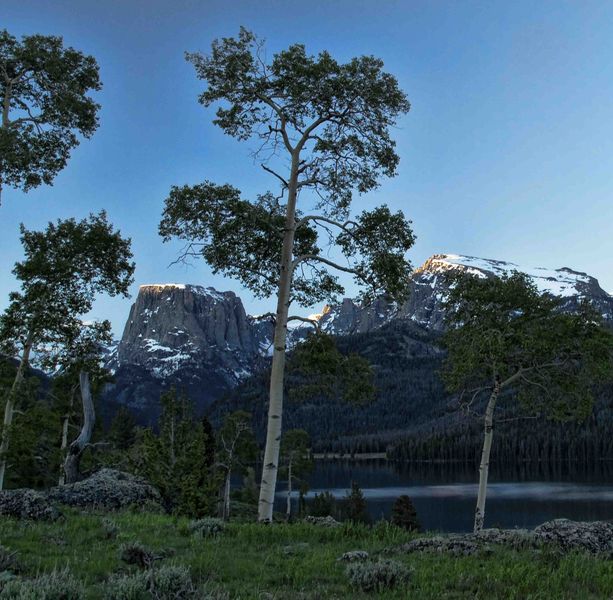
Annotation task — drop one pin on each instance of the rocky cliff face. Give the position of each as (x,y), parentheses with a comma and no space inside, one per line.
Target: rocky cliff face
(202,340)
(174,326)
(429,288)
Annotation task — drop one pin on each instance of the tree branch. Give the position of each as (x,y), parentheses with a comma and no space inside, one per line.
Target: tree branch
(269,170)
(321,259)
(313,322)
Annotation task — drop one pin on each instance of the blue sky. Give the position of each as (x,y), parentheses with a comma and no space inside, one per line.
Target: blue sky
(506,153)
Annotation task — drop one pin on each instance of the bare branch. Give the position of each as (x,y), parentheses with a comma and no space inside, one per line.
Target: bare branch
(269,170)
(313,322)
(321,259)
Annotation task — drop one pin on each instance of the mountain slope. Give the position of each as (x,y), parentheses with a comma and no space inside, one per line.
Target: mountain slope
(203,341)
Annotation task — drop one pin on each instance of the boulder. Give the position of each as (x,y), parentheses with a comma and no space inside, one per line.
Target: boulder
(595,537)
(108,489)
(27,504)
(455,545)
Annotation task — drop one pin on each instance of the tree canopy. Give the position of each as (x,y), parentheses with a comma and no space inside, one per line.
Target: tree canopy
(503,330)
(322,130)
(66,265)
(44,91)
(507,339)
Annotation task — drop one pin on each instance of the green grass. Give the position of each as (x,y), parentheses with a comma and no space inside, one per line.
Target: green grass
(296,561)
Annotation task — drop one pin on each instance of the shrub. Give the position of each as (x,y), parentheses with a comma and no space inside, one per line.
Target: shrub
(404,514)
(127,587)
(207,527)
(57,585)
(134,553)
(323,505)
(170,582)
(377,576)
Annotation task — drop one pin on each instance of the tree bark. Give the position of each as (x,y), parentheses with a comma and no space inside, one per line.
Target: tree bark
(9,407)
(289,490)
(485,458)
(64,444)
(75,452)
(275,406)
(226,497)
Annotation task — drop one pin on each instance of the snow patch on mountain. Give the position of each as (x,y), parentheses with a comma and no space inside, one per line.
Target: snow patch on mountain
(562,282)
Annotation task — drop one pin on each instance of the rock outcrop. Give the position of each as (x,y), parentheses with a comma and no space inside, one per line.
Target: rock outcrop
(564,535)
(106,489)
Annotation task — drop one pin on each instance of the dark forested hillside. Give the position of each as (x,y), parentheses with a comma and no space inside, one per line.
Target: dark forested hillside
(413,417)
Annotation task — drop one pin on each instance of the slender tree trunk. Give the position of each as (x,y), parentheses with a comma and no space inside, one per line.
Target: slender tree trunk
(75,452)
(275,405)
(9,407)
(226,497)
(64,445)
(485,458)
(289,490)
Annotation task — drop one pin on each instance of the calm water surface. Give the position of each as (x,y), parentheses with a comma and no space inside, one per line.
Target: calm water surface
(444,494)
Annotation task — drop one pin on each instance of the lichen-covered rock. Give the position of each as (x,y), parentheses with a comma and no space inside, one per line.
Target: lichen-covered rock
(354,556)
(27,504)
(595,537)
(456,545)
(514,538)
(108,489)
(323,521)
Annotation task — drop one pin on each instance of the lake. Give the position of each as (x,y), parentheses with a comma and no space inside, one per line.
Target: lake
(444,494)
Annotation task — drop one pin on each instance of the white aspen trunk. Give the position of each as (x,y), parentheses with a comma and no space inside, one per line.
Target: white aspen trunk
(275,406)
(289,490)
(75,452)
(226,497)
(9,407)
(485,458)
(64,445)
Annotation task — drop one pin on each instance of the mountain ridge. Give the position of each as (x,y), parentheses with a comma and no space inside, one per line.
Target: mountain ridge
(202,340)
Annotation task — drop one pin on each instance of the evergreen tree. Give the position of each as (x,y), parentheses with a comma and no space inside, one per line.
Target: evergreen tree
(404,514)
(354,505)
(174,459)
(323,505)
(323,129)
